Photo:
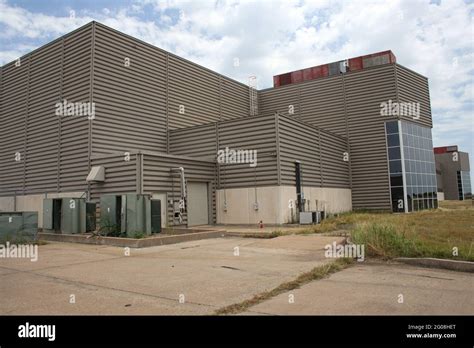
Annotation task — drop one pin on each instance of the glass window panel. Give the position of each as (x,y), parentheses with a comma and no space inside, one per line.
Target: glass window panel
(395,166)
(396,180)
(393,140)
(394,153)
(392,127)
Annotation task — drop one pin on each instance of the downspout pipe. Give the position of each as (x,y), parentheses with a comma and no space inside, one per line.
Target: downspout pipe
(182,181)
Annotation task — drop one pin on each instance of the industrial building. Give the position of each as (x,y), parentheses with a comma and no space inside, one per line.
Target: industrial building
(97,112)
(453,173)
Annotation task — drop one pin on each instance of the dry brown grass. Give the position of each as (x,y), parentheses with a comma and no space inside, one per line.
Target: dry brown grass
(316,273)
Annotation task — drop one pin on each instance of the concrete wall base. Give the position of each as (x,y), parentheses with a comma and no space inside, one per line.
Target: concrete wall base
(274,203)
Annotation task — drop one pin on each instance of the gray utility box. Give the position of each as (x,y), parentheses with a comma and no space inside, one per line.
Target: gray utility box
(306,218)
(130,213)
(18,226)
(68,215)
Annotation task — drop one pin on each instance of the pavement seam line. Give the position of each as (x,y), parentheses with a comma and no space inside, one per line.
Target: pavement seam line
(318,272)
(112,288)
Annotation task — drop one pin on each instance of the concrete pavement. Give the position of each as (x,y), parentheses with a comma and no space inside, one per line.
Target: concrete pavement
(204,275)
(375,288)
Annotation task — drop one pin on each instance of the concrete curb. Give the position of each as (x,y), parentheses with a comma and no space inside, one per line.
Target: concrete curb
(453,265)
(130,242)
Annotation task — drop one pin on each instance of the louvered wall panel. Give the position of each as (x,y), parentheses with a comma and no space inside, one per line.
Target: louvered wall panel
(234,100)
(74,130)
(196,89)
(413,88)
(157,177)
(250,133)
(120,175)
(198,141)
(365,91)
(130,101)
(278,100)
(322,104)
(299,143)
(13,116)
(335,171)
(320,153)
(318,102)
(41,174)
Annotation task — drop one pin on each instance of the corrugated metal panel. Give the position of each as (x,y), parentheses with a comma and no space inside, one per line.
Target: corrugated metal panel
(41,172)
(13,117)
(335,171)
(194,88)
(198,141)
(120,175)
(413,88)
(365,91)
(322,104)
(157,177)
(234,99)
(279,100)
(299,143)
(250,133)
(74,130)
(130,101)
(320,153)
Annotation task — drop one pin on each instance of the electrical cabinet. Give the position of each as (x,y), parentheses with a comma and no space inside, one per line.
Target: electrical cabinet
(130,213)
(68,215)
(18,226)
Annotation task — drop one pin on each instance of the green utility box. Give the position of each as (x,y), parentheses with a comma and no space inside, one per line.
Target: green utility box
(18,226)
(68,215)
(129,213)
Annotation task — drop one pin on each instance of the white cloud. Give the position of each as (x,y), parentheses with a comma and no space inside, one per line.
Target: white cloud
(271,37)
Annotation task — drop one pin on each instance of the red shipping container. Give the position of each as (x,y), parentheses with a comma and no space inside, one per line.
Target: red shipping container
(355,64)
(276,81)
(320,71)
(297,76)
(285,79)
(307,74)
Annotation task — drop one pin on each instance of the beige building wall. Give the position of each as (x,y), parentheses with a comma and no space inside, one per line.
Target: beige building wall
(33,202)
(275,203)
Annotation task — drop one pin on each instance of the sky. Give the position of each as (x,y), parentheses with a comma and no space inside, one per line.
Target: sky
(268,37)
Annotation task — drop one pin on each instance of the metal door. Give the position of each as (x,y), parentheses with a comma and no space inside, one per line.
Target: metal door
(198,204)
(47,214)
(155,216)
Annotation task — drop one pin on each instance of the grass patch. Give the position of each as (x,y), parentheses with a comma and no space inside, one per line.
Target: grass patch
(430,233)
(315,274)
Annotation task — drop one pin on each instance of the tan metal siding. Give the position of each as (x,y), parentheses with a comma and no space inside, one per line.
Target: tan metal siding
(320,153)
(322,102)
(250,133)
(365,91)
(299,143)
(194,88)
(234,99)
(41,172)
(413,88)
(120,175)
(278,100)
(157,177)
(335,171)
(74,130)
(130,101)
(13,117)
(198,141)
